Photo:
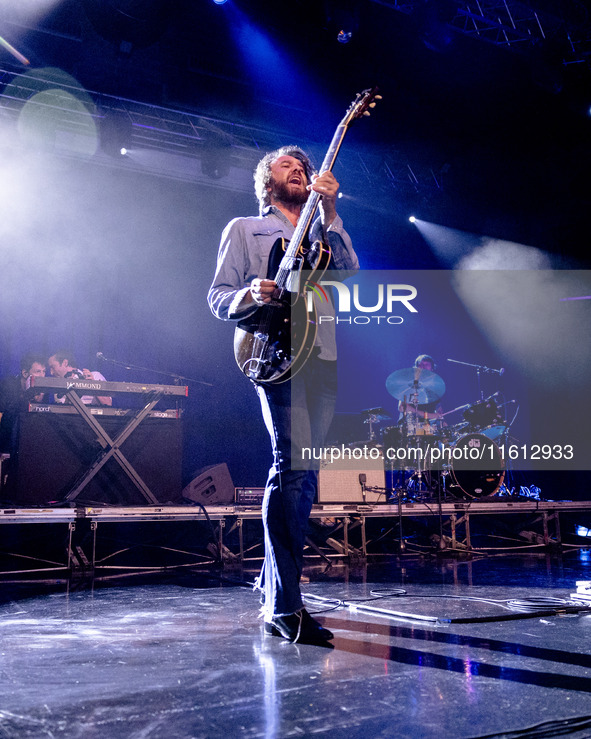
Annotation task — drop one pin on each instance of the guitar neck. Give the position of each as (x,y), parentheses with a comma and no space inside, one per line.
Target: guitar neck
(311,206)
(309,210)
(359,107)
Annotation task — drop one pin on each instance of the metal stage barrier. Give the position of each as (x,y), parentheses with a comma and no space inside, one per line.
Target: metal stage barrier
(342,520)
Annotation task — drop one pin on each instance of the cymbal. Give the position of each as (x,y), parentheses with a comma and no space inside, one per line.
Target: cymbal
(373,443)
(406,383)
(378,414)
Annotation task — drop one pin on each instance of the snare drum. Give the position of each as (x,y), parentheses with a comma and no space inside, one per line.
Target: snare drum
(420,426)
(477,467)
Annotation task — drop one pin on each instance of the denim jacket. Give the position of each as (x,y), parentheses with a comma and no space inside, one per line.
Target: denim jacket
(244,255)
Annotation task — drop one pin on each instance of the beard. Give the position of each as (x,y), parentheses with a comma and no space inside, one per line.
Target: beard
(283,192)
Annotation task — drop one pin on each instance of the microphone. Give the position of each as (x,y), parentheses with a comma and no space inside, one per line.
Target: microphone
(101,356)
(362,481)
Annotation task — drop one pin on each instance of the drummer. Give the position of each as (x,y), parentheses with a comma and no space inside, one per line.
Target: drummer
(429,412)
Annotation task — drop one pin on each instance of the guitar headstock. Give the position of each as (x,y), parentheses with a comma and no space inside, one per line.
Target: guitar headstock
(362,105)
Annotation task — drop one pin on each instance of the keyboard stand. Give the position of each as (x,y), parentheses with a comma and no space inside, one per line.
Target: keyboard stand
(111,447)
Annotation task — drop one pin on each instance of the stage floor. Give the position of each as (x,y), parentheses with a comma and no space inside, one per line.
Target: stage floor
(185,656)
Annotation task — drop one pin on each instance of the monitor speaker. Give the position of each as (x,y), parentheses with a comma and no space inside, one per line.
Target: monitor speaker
(211,486)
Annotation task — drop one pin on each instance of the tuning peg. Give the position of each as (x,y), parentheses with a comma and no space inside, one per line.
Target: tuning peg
(378,97)
(366,112)
(372,105)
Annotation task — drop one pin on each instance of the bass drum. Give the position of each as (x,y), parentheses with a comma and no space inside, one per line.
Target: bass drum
(477,467)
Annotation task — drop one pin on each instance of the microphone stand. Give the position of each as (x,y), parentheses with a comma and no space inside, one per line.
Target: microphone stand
(479,368)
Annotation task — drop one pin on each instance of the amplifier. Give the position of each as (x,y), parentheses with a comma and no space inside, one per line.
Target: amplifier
(56,449)
(345,482)
(249,496)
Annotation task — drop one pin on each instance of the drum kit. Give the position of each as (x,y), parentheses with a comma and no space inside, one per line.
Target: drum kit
(424,455)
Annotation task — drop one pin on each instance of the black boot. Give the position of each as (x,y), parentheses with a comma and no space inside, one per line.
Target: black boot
(299,627)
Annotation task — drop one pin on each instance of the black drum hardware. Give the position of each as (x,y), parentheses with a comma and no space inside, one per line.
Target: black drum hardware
(425,454)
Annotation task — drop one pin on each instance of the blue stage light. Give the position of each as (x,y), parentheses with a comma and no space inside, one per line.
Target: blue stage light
(412,219)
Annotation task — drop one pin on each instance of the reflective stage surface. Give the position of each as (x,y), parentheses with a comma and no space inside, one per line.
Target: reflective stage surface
(186,657)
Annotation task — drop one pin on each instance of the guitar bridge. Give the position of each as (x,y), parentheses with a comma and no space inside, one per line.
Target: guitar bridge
(256,369)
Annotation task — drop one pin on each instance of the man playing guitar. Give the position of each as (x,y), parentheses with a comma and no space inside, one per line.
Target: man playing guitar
(298,411)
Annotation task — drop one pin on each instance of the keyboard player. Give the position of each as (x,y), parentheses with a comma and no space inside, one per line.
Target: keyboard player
(62,364)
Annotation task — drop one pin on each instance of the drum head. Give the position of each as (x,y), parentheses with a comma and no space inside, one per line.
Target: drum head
(477,467)
(494,432)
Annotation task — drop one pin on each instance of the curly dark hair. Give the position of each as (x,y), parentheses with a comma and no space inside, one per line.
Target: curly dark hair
(28,360)
(262,173)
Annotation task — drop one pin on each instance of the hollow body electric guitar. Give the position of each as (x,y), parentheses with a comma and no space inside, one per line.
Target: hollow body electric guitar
(274,342)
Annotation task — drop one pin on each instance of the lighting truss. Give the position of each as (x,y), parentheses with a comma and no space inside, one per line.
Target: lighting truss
(519,24)
(178,139)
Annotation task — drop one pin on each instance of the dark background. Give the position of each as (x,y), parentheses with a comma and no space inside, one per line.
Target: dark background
(103,253)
